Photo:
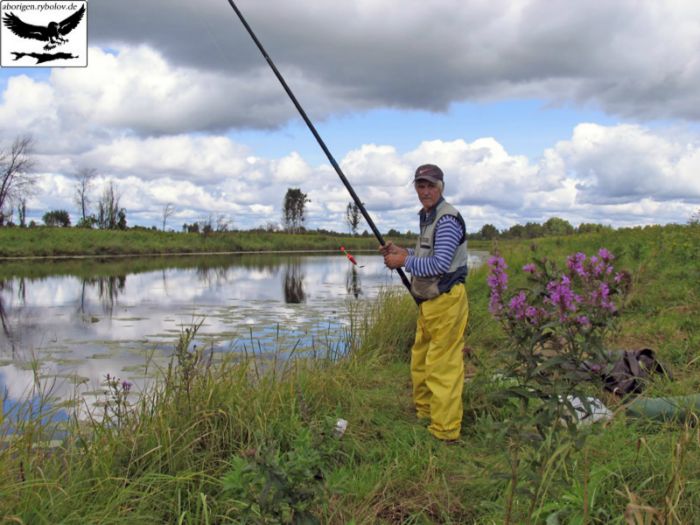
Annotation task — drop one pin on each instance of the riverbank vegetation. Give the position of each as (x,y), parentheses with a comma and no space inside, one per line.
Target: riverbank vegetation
(55,241)
(227,439)
(51,242)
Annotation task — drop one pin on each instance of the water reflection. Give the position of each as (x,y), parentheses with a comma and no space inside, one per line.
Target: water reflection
(76,321)
(7,334)
(294,283)
(353,284)
(107,288)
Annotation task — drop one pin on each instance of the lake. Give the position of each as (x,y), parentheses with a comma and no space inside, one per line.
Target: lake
(69,323)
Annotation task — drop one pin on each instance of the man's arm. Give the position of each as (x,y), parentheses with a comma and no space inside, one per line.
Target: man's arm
(448,234)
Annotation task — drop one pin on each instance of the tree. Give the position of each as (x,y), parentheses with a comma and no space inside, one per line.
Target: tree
(694,219)
(121,219)
(16,179)
(557,226)
(353,216)
(271,226)
(206,226)
(56,218)
(168,211)
(533,230)
(488,232)
(83,180)
(109,215)
(293,209)
(223,223)
(517,231)
(88,222)
(585,227)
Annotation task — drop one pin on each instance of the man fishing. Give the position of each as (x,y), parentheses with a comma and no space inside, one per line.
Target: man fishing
(438,268)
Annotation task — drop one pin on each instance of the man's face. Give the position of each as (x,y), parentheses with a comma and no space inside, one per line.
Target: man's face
(428,193)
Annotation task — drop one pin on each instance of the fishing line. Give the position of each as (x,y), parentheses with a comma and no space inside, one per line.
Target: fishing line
(316,135)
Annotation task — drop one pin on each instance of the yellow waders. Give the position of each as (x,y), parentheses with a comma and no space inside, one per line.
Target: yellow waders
(437,363)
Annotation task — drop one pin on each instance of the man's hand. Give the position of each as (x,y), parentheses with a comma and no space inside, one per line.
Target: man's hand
(390,247)
(394,256)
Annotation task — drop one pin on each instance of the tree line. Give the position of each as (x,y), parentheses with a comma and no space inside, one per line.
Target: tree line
(554,226)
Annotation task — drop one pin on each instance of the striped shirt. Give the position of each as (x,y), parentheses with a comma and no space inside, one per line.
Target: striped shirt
(448,233)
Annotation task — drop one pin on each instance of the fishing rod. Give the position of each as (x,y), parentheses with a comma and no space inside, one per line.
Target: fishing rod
(312,128)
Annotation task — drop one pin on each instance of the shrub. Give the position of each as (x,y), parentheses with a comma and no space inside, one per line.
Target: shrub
(56,218)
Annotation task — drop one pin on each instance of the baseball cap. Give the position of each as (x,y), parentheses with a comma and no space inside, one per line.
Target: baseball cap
(428,172)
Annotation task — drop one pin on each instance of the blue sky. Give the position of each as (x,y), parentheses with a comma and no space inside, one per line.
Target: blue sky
(532,108)
(523,127)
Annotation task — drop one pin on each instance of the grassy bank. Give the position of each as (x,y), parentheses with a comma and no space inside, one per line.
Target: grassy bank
(223,442)
(44,241)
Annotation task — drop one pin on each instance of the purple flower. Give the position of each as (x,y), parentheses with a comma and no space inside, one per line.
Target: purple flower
(575,263)
(600,297)
(496,262)
(126,386)
(605,255)
(497,280)
(535,315)
(495,305)
(579,298)
(560,294)
(518,306)
(498,283)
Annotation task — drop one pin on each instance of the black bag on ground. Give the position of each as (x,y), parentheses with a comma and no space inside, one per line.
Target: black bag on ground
(628,371)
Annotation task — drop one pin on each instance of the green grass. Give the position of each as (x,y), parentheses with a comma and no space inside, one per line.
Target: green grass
(47,242)
(226,442)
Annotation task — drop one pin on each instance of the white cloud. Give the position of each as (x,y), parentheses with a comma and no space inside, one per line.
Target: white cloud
(618,173)
(479,173)
(291,169)
(625,163)
(188,157)
(138,89)
(28,104)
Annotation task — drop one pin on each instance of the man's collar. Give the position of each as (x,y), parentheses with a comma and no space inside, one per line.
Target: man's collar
(429,216)
(422,211)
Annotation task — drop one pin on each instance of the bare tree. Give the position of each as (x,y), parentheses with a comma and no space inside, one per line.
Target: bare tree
(168,211)
(83,180)
(16,179)
(222,223)
(109,214)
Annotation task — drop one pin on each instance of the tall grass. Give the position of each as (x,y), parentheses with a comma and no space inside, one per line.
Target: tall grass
(227,439)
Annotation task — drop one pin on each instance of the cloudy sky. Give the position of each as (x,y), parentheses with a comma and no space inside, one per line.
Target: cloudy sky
(588,111)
